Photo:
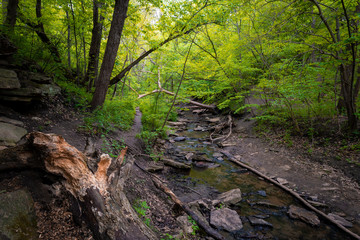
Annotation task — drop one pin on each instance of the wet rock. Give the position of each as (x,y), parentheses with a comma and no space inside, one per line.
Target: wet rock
(259,222)
(230,197)
(11,121)
(179,139)
(175,164)
(340,220)
(199,111)
(217,155)
(213,165)
(200,164)
(17,216)
(201,158)
(199,128)
(213,120)
(304,215)
(261,193)
(8,79)
(262,216)
(282,181)
(268,205)
(173,134)
(189,156)
(186,226)
(175,124)
(226,219)
(10,134)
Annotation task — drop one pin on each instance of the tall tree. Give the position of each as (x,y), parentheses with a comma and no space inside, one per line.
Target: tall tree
(94,51)
(112,46)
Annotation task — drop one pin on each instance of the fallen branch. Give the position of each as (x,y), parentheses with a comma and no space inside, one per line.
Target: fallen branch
(218,128)
(212,232)
(298,197)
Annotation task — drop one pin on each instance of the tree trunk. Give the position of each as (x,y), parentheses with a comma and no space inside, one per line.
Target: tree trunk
(99,196)
(68,39)
(11,14)
(347,94)
(112,47)
(76,44)
(94,51)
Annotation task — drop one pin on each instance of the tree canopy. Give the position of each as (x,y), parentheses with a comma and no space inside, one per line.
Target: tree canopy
(299,59)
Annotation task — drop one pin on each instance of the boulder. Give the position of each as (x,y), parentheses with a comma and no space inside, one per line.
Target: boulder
(17,216)
(226,219)
(230,197)
(8,79)
(186,226)
(39,78)
(10,134)
(304,215)
(179,139)
(340,220)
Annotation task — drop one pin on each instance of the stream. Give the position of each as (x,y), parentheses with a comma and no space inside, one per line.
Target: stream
(212,173)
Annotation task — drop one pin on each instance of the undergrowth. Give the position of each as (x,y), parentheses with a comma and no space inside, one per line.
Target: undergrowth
(114,114)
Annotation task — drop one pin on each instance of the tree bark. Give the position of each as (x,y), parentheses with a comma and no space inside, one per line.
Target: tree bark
(94,52)
(11,14)
(98,196)
(112,47)
(68,40)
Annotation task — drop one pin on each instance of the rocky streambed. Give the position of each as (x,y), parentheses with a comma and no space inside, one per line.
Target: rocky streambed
(230,198)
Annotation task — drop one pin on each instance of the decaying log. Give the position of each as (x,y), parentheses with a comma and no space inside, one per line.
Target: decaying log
(102,202)
(212,232)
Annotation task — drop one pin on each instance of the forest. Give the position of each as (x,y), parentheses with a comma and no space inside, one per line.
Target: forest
(298,57)
(290,67)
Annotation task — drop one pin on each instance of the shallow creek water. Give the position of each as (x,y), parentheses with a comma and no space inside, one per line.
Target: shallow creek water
(254,190)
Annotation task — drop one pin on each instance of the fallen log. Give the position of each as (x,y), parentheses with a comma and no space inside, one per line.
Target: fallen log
(100,199)
(298,197)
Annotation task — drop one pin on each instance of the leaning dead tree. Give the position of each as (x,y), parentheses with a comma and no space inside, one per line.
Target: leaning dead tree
(99,196)
(160,89)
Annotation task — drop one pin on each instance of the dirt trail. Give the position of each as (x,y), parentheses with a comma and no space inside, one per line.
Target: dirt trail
(310,178)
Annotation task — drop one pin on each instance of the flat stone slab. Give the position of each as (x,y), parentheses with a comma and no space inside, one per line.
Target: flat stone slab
(304,215)
(10,134)
(17,216)
(226,219)
(259,222)
(230,197)
(11,121)
(179,139)
(8,79)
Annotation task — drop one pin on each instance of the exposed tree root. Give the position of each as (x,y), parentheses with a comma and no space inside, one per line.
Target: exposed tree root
(219,128)
(298,197)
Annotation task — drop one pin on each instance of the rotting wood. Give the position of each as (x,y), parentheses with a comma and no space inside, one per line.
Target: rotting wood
(298,197)
(100,199)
